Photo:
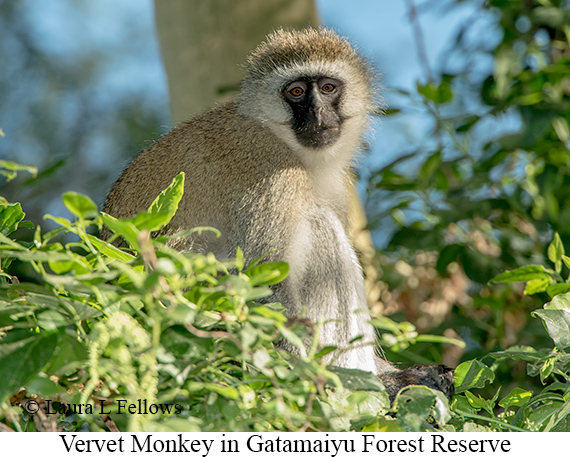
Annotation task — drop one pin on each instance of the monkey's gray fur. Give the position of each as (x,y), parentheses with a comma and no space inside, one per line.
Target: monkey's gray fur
(271,172)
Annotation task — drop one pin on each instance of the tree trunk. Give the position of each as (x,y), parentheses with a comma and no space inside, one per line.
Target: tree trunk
(204,43)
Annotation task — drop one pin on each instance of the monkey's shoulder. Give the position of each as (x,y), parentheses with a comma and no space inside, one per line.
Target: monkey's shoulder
(223,133)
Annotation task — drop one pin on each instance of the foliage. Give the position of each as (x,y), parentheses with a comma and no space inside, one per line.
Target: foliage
(483,196)
(489,201)
(157,340)
(549,409)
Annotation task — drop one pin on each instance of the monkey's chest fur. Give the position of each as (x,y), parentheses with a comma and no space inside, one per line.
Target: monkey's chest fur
(247,183)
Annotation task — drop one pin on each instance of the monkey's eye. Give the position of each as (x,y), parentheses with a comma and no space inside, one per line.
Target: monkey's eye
(297,91)
(328,88)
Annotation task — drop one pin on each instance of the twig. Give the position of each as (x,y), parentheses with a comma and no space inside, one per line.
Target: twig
(5,428)
(280,398)
(213,334)
(110,423)
(419,37)
(15,281)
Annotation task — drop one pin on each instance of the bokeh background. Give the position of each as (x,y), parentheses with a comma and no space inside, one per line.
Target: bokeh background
(84,88)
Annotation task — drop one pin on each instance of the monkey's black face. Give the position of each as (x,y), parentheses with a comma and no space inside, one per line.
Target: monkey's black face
(315,104)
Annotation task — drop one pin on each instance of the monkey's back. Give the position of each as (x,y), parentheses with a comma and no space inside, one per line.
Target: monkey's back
(244,160)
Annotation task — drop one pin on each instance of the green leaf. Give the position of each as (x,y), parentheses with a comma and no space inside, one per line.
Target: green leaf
(557,323)
(51,320)
(534,286)
(561,301)
(549,15)
(292,338)
(59,220)
(447,255)
(472,374)
(546,369)
(159,214)
(517,397)
(22,356)
(10,169)
(436,93)
(10,217)
(467,124)
(525,353)
(395,181)
(44,386)
(240,261)
(109,250)
(524,274)
(358,379)
(390,111)
(123,228)
(229,392)
(39,256)
(557,417)
(324,351)
(70,355)
(541,414)
(267,274)
(416,404)
(150,221)
(476,402)
(78,264)
(429,167)
(557,289)
(166,204)
(555,249)
(80,205)
(276,316)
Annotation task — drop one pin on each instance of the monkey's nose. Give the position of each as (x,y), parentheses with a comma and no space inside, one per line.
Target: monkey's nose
(319,115)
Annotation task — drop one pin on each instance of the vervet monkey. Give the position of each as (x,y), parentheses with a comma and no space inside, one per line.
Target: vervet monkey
(270,171)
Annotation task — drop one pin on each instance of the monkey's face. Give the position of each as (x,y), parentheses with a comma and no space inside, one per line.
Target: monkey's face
(315,102)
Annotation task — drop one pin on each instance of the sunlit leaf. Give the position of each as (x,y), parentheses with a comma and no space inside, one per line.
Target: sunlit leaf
(524,274)
(555,249)
(358,379)
(557,323)
(80,205)
(472,374)
(517,397)
(436,93)
(10,217)
(166,203)
(266,274)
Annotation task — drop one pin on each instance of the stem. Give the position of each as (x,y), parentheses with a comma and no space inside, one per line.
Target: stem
(514,428)
(419,37)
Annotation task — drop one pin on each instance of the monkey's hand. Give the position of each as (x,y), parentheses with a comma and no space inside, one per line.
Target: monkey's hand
(438,377)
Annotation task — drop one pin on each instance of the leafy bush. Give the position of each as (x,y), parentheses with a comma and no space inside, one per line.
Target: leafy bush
(177,336)
(157,340)
(481,198)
